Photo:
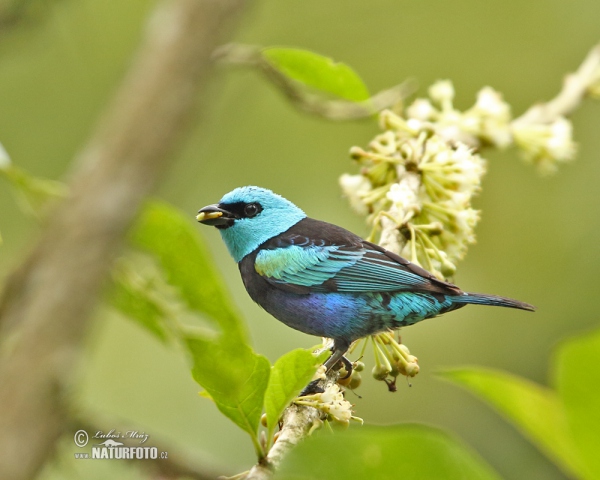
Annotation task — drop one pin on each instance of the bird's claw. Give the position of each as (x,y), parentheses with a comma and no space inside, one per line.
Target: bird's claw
(348,366)
(312,388)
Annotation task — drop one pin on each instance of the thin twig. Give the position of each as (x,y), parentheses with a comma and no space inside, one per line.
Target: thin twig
(305,100)
(575,88)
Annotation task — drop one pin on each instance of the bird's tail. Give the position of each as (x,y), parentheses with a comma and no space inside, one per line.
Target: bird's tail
(495,300)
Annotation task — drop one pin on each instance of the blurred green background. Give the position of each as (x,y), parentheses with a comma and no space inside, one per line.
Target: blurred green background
(538,239)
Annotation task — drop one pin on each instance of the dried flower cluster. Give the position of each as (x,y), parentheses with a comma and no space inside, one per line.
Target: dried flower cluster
(331,402)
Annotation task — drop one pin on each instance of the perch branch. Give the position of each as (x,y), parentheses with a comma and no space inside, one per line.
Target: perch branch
(296,424)
(299,96)
(46,304)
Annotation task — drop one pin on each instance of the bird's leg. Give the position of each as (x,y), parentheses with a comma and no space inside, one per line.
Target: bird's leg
(339,349)
(335,357)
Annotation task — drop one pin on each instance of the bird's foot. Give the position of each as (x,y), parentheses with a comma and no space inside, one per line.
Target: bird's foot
(348,366)
(312,388)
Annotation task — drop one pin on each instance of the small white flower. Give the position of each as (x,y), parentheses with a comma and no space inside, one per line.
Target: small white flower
(332,394)
(460,198)
(560,145)
(341,411)
(421,109)
(401,195)
(414,125)
(490,102)
(355,187)
(442,92)
(466,220)
(489,119)
(546,144)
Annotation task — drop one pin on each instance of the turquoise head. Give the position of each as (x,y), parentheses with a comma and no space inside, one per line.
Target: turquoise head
(249,216)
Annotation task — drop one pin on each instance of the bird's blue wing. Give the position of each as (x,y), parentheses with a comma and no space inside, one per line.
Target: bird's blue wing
(309,266)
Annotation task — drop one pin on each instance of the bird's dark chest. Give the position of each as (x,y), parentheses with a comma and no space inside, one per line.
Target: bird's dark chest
(256,286)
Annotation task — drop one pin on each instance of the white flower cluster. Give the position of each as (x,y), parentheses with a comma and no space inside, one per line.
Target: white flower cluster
(417,188)
(487,122)
(419,176)
(545,144)
(331,402)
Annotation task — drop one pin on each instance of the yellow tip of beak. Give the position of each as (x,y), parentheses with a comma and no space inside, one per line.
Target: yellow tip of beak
(208,215)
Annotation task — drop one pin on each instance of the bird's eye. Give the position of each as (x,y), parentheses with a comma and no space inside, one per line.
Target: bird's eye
(252,209)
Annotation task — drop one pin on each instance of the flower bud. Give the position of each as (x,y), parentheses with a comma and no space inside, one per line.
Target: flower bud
(442,91)
(355,381)
(344,379)
(412,369)
(380,372)
(359,366)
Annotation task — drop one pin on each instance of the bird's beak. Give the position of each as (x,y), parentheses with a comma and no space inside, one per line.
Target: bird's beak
(215,216)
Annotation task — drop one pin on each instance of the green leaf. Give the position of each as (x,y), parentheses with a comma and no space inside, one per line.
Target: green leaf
(319,72)
(172,239)
(407,452)
(223,363)
(205,394)
(137,302)
(235,377)
(32,193)
(290,374)
(578,380)
(537,411)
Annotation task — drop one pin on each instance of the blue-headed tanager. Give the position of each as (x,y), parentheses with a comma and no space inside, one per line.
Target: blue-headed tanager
(324,280)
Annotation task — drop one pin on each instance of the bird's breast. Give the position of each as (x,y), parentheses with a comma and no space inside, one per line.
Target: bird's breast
(340,315)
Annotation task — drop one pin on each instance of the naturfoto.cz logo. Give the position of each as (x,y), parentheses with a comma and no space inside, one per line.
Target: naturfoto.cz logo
(113,449)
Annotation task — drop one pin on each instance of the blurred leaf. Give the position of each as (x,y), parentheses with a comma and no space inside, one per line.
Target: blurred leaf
(290,374)
(318,72)
(224,365)
(138,302)
(5,161)
(407,452)
(535,410)
(235,377)
(578,379)
(163,231)
(32,193)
